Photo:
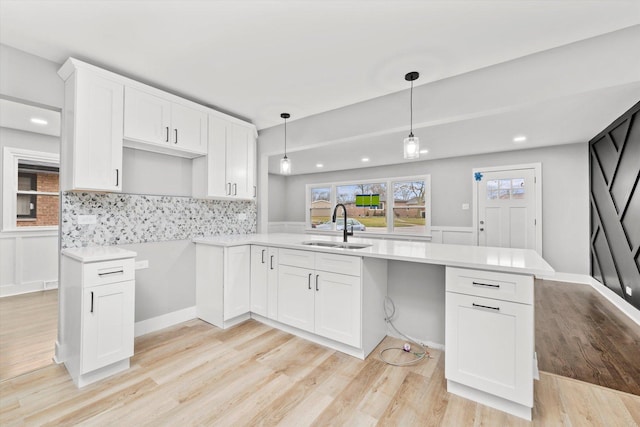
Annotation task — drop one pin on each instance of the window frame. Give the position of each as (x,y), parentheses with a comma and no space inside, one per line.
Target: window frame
(12,156)
(388,202)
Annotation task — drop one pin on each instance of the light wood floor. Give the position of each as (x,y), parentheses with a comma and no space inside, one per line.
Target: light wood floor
(197,374)
(28,330)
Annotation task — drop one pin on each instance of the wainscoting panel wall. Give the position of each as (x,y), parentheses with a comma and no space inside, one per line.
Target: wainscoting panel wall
(614,157)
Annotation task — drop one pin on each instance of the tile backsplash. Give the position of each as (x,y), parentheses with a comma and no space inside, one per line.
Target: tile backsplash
(134,218)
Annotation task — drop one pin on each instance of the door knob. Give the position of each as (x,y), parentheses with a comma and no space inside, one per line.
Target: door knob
(482,229)
(481,222)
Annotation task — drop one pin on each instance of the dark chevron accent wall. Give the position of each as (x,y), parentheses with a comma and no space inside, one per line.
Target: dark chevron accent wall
(614,164)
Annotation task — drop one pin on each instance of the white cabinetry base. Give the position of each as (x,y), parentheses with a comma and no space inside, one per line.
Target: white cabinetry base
(487,399)
(99,374)
(360,353)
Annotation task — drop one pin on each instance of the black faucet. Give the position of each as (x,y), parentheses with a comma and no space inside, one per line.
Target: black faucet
(345,233)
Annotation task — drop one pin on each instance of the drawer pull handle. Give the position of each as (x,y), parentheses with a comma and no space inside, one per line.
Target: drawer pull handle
(263,255)
(486,306)
(91,302)
(111,272)
(486,285)
(310,281)
(167,127)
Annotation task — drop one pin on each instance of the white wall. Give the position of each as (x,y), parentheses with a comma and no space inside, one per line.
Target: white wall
(278,208)
(28,259)
(565,198)
(144,172)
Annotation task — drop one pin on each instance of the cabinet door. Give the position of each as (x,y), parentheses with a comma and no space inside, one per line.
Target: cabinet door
(490,346)
(252,161)
(216,173)
(188,128)
(295,297)
(108,321)
(237,281)
(337,307)
(97,140)
(147,118)
(272,292)
(259,279)
(237,161)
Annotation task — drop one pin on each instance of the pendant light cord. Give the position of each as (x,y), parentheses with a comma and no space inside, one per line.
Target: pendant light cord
(411,109)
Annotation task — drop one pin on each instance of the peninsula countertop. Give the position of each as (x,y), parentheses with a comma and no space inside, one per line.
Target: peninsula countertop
(522,261)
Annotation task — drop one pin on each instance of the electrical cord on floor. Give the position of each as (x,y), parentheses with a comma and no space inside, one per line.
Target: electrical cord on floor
(406,348)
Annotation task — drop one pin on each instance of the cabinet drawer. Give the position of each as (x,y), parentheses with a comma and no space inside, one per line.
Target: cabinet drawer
(340,264)
(295,258)
(490,284)
(102,273)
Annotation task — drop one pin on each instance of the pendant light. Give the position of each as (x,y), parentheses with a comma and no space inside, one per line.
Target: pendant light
(411,143)
(285,163)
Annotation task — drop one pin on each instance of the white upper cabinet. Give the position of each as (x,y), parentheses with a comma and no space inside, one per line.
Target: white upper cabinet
(156,123)
(229,170)
(92,138)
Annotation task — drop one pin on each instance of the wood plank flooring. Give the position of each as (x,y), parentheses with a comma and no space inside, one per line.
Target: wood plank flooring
(28,331)
(196,374)
(581,335)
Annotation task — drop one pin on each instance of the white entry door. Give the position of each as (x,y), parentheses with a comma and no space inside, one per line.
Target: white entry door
(506,208)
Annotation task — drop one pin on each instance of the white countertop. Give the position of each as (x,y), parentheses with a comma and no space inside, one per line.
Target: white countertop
(523,261)
(98,253)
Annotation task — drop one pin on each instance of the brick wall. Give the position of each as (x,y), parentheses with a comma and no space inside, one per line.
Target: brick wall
(47,207)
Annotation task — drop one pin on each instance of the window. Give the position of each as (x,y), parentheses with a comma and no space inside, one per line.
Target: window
(30,189)
(367,204)
(505,189)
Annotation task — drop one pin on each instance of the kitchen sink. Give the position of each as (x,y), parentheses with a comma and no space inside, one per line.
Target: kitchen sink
(339,245)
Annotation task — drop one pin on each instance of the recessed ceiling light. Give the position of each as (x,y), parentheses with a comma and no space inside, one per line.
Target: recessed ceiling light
(38,121)
(519,139)
(365,159)
(424,151)
(319,165)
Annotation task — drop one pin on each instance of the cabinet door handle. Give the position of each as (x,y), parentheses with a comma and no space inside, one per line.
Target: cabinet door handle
(271,262)
(486,306)
(117,177)
(487,285)
(263,251)
(167,128)
(111,272)
(255,191)
(176,130)
(317,275)
(235,189)
(309,282)
(228,188)
(91,302)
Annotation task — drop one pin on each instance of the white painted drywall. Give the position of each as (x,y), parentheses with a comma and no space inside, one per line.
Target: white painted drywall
(565,200)
(278,207)
(144,172)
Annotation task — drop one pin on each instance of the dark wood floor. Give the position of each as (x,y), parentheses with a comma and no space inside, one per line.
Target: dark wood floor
(581,335)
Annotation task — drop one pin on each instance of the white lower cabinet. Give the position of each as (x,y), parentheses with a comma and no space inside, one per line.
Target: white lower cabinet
(490,338)
(318,299)
(264,281)
(97,311)
(223,284)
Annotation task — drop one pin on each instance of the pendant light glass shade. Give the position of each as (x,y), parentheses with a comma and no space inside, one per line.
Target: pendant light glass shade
(285,166)
(411,143)
(411,147)
(285,162)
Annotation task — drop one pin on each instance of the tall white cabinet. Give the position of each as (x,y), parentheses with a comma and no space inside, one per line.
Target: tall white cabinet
(228,171)
(97,292)
(91,151)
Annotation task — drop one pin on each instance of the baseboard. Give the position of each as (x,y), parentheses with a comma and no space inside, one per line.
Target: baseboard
(626,308)
(26,288)
(164,321)
(427,343)
(58,356)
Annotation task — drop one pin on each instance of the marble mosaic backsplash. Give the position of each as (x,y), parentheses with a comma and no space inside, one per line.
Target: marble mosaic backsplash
(133,218)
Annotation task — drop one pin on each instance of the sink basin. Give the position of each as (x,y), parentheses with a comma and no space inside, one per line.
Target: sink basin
(342,245)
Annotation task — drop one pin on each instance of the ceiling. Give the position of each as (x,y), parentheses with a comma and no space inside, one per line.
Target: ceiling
(256,59)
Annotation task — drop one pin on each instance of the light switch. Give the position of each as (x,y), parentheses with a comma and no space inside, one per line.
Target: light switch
(465,206)
(86,219)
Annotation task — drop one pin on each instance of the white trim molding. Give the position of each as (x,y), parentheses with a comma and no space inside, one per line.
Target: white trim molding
(164,321)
